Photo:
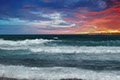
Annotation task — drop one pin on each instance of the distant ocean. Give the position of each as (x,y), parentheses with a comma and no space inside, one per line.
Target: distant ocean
(53,57)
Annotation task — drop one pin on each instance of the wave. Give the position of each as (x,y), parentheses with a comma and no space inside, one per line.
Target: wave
(39,46)
(23,42)
(67,49)
(28,42)
(55,73)
(73,49)
(90,43)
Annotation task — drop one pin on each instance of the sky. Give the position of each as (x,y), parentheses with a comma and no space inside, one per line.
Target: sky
(59,16)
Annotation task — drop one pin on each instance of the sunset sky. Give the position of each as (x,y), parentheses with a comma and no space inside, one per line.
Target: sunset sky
(59,16)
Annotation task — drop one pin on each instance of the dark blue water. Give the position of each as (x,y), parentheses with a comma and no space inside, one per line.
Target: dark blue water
(97,53)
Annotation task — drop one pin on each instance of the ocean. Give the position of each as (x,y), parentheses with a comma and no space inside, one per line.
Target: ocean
(55,57)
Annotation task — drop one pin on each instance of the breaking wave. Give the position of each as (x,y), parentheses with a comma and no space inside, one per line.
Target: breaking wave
(38,46)
(67,49)
(73,49)
(23,43)
(55,73)
(30,61)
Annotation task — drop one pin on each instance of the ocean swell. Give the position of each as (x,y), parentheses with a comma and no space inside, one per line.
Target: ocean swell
(52,46)
(67,49)
(23,42)
(55,73)
(74,49)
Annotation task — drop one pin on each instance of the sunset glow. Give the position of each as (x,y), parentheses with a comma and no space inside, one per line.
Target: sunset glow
(59,17)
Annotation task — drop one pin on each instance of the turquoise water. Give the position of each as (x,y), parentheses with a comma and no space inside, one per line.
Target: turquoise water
(64,56)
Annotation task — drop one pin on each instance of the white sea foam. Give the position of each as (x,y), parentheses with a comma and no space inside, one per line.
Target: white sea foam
(67,49)
(75,49)
(36,46)
(56,73)
(23,42)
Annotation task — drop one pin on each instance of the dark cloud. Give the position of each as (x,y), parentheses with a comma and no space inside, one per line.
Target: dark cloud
(15,8)
(66,12)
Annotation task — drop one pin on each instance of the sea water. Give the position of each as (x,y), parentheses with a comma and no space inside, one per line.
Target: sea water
(54,57)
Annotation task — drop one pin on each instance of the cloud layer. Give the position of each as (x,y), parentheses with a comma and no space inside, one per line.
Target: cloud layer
(59,16)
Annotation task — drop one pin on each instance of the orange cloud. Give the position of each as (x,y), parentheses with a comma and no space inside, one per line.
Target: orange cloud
(100,22)
(106,21)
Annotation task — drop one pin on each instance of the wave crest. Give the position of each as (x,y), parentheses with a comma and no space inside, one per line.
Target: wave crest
(23,43)
(72,49)
(67,49)
(22,72)
(38,46)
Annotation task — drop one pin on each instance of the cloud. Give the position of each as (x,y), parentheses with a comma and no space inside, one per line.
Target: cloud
(57,23)
(61,16)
